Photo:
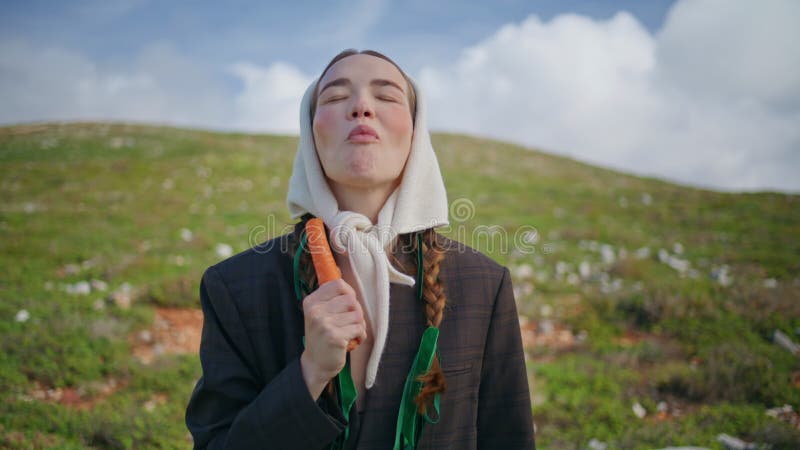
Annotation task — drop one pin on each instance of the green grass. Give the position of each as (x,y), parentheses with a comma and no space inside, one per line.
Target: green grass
(108,202)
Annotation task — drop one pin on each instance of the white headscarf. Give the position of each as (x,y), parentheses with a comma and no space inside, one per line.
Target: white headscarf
(418,203)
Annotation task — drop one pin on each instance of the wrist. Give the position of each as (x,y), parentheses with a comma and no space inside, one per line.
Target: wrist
(315,381)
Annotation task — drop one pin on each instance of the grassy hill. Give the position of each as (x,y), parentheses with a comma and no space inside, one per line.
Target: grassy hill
(635,295)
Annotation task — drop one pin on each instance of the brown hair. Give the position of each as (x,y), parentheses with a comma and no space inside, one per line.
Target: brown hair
(412,95)
(432,249)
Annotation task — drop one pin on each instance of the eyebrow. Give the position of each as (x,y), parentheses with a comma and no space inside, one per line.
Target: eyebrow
(347,82)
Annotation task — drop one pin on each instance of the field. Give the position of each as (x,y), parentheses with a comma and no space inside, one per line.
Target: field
(649,310)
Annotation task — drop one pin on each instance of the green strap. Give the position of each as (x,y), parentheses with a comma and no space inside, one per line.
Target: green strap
(347,394)
(345,387)
(298,283)
(409,422)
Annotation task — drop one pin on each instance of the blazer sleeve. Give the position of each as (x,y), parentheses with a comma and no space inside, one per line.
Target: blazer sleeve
(505,419)
(230,408)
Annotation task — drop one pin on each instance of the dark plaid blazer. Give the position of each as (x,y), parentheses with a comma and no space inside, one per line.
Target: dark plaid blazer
(252,394)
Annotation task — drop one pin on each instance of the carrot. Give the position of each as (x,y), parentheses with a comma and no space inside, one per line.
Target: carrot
(324,264)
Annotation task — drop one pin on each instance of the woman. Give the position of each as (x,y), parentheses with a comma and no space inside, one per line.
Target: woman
(439,361)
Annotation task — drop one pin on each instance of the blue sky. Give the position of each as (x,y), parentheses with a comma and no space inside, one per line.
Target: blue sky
(703,92)
(262,32)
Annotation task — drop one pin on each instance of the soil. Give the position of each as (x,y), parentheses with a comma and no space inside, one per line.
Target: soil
(174,331)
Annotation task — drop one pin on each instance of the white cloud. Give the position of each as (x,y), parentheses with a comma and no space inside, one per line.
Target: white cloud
(160,85)
(711,100)
(271,97)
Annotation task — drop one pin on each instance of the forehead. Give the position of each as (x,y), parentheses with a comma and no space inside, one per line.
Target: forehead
(362,69)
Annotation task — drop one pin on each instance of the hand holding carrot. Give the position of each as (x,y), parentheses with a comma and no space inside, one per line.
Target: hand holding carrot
(334,319)
(324,264)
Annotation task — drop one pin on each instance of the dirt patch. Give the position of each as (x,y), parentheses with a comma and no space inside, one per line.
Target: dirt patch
(630,338)
(81,397)
(174,331)
(548,334)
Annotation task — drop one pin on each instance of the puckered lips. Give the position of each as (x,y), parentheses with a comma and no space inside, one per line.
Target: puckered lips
(363,133)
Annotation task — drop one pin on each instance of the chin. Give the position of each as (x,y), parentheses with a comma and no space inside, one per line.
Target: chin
(363,180)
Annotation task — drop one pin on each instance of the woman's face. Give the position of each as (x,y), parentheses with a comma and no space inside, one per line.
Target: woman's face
(363,90)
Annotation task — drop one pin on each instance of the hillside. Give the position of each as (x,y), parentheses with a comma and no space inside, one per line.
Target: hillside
(648,309)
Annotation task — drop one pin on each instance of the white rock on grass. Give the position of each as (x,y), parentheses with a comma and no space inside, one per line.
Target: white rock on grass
(642,253)
(786,342)
(681,265)
(610,287)
(647,199)
(573,279)
(223,250)
(79,288)
(22,316)
(770,283)
(595,444)
(99,285)
(684,448)
(775,412)
(639,410)
(523,271)
(123,296)
(546,327)
(607,253)
(722,275)
(186,234)
(585,269)
(734,443)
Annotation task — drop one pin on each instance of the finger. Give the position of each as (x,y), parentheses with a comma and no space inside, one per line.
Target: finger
(347,318)
(335,287)
(328,291)
(349,332)
(342,303)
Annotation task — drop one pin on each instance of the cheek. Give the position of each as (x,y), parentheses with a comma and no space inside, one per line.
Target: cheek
(324,128)
(401,128)
(399,121)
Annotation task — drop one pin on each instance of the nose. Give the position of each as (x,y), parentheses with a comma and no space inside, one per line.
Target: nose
(362,108)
